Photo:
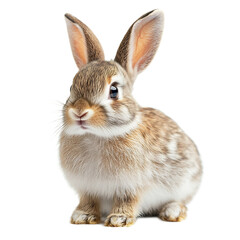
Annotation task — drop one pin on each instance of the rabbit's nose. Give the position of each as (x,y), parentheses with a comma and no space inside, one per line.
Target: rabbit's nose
(83,115)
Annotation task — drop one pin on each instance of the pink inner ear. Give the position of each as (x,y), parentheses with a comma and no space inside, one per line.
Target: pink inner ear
(78,45)
(143,44)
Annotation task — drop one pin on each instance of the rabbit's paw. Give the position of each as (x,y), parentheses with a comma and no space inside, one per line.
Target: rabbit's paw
(173,212)
(119,220)
(80,217)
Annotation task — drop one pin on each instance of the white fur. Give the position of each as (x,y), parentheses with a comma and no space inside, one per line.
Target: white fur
(118,78)
(95,183)
(173,210)
(117,220)
(115,131)
(79,216)
(172,145)
(156,196)
(74,129)
(106,132)
(172,148)
(123,113)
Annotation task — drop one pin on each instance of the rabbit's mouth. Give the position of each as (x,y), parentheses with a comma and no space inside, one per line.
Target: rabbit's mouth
(82,124)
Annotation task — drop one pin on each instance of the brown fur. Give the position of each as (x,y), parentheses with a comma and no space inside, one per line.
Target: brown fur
(81,105)
(93,77)
(109,79)
(99,118)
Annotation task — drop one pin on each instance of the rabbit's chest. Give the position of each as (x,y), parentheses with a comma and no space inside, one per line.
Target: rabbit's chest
(95,176)
(103,169)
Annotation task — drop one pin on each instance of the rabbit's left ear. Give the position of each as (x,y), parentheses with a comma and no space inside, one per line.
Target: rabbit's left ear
(85,45)
(140,43)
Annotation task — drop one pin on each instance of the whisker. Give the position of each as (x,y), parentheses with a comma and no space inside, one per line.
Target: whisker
(59,128)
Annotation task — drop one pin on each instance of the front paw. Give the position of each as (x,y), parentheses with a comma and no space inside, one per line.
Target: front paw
(119,220)
(80,217)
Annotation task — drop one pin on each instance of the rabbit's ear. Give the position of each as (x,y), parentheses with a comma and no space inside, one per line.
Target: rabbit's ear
(85,45)
(140,43)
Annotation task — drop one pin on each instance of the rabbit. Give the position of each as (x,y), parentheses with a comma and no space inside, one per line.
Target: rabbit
(124,161)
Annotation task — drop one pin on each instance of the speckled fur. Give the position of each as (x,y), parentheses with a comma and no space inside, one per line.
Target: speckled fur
(129,161)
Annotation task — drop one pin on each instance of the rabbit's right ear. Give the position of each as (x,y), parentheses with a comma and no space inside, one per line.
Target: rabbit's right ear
(85,45)
(140,43)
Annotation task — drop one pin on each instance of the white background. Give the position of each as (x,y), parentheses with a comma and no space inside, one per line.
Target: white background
(194,79)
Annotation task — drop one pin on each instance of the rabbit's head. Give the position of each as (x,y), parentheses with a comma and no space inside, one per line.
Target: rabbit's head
(101,101)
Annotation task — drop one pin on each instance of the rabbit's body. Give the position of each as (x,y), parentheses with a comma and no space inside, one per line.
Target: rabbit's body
(118,156)
(165,169)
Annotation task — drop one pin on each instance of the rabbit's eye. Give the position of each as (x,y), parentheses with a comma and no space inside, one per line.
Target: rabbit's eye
(113,92)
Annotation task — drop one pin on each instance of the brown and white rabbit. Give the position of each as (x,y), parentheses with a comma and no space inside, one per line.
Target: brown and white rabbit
(118,156)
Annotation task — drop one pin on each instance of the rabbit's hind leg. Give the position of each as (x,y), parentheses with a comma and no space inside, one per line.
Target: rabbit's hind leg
(173,212)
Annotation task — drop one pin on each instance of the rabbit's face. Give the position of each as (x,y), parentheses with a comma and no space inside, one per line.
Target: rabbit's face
(100,101)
